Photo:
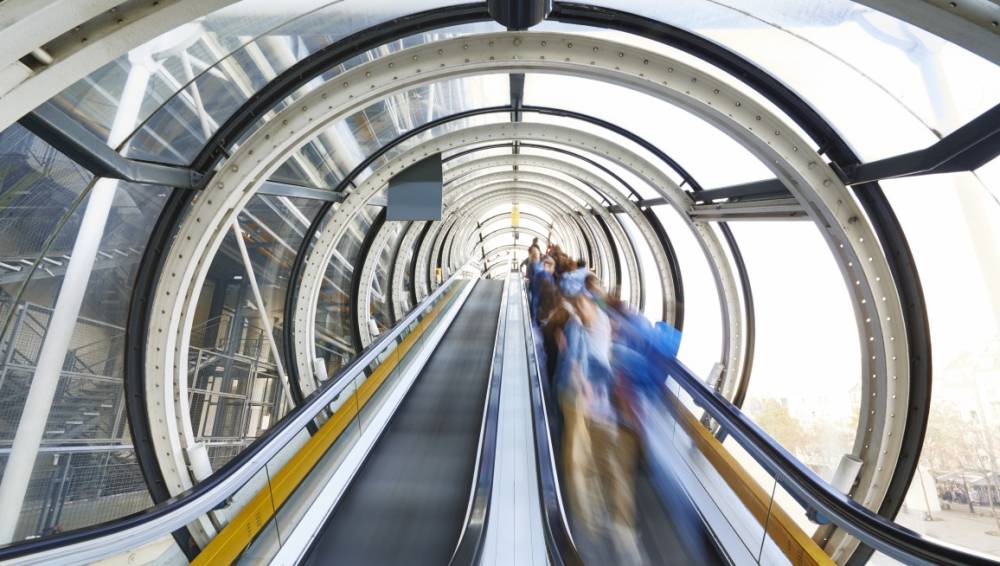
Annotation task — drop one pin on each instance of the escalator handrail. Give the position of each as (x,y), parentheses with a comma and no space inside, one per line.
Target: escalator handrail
(134,530)
(559,543)
(872,529)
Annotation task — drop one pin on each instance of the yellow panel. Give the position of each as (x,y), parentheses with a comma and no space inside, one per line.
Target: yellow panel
(799,547)
(228,544)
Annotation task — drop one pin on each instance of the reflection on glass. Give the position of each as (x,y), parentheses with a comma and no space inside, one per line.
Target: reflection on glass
(178,129)
(803,315)
(955,494)
(235,385)
(84,470)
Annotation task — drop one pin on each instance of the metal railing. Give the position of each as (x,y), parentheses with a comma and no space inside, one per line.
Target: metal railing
(804,484)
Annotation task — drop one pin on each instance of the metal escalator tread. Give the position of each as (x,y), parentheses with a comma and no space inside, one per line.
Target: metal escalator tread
(407,503)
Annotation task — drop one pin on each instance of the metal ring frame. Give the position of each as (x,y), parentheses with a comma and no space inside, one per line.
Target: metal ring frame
(546,190)
(541,183)
(577,228)
(455,255)
(608,192)
(851,237)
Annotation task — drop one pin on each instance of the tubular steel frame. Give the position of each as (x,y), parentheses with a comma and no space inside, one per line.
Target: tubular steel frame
(873,201)
(513,57)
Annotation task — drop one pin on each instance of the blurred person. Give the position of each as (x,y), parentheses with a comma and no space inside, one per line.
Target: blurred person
(542,281)
(534,247)
(640,352)
(610,499)
(531,264)
(612,422)
(569,334)
(564,265)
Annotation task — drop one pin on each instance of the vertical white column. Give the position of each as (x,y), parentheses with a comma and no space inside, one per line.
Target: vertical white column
(265,320)
(62,323)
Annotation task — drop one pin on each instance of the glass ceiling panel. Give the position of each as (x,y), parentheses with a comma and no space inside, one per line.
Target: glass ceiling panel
(888,86)
(180,128)
(709,155)
(323,162)
(640,187)
(227,54)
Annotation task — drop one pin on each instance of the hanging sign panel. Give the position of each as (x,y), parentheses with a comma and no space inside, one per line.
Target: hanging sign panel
(415,193)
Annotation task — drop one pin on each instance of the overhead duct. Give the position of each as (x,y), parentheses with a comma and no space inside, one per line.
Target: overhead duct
(517,15)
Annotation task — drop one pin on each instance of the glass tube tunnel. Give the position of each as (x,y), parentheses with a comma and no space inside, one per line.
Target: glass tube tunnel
(222,338)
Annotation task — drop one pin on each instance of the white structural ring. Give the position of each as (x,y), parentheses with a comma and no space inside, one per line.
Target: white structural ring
(792,159)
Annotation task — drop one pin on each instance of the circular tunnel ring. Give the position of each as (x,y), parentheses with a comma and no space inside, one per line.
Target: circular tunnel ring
(504,53)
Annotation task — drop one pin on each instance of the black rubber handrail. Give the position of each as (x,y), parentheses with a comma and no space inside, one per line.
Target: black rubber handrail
(803,483)
(201,494)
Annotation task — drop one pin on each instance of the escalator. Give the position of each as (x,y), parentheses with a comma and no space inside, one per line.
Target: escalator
(422,485)
(408,502)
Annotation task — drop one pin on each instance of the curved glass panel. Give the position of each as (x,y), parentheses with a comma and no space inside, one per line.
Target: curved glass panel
(84,469)
(651,284)
(379,305)
(205,69)
(888,86)
(697,146)
(334,333)
(701,346)
(178,130)
(802,316)
(340,148)
(954,493)
(235,377)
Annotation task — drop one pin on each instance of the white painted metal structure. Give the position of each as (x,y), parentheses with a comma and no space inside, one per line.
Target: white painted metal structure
(765,134)
(47,46)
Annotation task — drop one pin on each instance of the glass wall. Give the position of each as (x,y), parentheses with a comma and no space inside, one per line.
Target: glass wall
(805,389)
(234,377)
(334,312)
(953,226)
(55,220)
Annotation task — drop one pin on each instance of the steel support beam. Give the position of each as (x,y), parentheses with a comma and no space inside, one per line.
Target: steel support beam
(968,148)
(70,138)
(277,188)
(774,209)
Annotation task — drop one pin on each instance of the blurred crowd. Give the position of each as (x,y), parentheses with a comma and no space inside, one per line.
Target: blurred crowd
(601,360)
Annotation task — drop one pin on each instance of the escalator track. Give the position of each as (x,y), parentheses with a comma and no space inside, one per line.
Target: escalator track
(408,502)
